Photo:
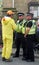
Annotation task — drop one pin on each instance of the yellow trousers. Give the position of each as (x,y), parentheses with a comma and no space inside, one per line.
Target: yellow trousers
(7,48)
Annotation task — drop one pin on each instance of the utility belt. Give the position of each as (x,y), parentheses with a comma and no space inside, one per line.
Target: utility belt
(19,35)
(30,36)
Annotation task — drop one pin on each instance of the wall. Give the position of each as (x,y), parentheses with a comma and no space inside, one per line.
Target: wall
(20,5)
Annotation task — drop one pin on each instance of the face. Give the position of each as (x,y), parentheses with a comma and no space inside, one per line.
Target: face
(12,16)
(21,17)
(28,17)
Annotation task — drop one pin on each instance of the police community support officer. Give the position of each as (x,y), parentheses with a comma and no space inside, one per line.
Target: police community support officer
(20,37)
(30,36)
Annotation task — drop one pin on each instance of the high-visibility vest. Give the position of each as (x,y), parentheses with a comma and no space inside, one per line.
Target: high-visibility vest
(33,28)
(21,28)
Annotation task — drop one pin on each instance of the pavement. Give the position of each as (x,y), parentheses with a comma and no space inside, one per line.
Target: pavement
(19,61)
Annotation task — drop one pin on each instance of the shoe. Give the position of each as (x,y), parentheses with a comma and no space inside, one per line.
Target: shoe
(3,59)
(15,56)
(30,60)
(8,60)
(24,58)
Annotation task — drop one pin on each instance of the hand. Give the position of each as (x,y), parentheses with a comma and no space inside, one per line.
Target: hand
(25,35)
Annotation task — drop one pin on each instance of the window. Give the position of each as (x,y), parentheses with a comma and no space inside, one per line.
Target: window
(34,10)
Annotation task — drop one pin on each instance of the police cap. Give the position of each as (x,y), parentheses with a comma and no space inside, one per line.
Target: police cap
(20,14)
(29,14)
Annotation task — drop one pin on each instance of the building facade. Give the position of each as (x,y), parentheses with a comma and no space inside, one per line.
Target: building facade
(20,5)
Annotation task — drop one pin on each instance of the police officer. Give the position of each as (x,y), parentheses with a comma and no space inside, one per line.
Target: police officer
(20,37)
(30,36)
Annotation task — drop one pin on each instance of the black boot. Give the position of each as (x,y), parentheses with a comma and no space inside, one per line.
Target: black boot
(3,59)
(8,60)
(15,56)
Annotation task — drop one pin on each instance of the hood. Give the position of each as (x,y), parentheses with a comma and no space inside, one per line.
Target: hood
(5,20)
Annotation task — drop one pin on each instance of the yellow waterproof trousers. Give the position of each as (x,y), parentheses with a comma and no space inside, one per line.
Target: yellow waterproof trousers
(7,48)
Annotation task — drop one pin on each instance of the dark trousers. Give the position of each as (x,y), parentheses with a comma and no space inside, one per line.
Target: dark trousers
(18,43)
(29,47)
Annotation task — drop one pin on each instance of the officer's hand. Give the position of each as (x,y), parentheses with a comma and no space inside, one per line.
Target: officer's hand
(25,35)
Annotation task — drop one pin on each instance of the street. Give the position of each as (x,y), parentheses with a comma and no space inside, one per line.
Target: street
(19,61)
